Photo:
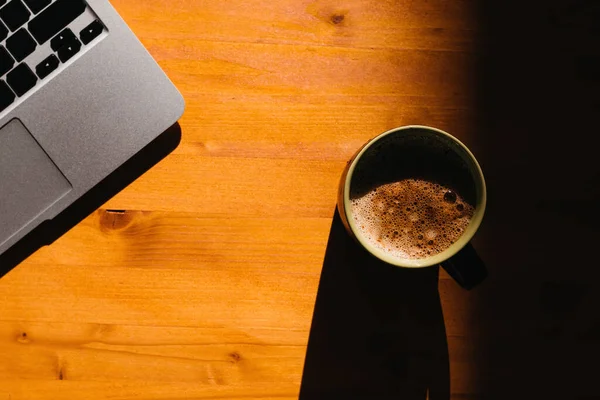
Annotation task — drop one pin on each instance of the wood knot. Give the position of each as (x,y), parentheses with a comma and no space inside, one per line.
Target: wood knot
(23,338)
(337,19)
(235,357)
(112,220)
(102,330)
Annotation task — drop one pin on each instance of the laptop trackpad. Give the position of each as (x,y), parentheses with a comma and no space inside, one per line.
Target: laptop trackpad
(29,180)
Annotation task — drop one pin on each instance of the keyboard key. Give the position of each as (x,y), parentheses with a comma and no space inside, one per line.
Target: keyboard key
(6,96)
(55,18)
(44,68)
(69,50)
(21,44)
(37,5)
(14,14)
(91,32)
(6,61)
(3,31)
(61,39)
(21,79)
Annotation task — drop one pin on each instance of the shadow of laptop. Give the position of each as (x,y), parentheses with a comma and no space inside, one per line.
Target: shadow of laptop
(127,173)
(377,332)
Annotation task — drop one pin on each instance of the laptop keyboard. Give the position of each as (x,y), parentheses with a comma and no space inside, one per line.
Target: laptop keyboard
(36,37)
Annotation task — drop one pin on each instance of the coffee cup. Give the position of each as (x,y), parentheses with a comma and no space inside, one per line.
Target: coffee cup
(414,197)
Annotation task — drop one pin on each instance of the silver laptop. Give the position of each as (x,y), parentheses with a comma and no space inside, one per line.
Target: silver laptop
(79,96)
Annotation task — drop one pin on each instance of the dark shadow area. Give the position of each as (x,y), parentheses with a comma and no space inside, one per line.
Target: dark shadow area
(536,326)
(377,331)
(126,174)
(414,155)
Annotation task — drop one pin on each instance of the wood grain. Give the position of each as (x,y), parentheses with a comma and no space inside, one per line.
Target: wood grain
(205,287)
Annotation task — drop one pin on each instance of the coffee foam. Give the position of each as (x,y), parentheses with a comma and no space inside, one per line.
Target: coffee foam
(411,218)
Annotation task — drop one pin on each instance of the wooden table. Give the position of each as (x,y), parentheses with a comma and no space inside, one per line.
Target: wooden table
(205,286)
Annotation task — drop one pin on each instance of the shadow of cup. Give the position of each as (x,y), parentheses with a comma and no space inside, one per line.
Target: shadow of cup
(377,331)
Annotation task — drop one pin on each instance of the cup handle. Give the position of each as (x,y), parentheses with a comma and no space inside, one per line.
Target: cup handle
(467,269)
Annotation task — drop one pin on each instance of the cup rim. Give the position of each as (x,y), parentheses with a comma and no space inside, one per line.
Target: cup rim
(465,238)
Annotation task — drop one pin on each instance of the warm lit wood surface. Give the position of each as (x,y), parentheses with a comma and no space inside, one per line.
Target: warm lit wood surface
(205,287)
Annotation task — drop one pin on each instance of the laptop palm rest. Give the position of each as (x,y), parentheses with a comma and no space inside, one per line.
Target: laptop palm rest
(29,181)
